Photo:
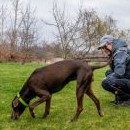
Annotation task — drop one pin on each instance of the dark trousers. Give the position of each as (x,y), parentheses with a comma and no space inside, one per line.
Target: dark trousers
(122,86)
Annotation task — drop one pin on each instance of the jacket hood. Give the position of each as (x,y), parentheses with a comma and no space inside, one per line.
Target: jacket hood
(117,43)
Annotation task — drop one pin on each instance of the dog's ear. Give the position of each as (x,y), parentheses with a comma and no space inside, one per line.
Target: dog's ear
(15,102)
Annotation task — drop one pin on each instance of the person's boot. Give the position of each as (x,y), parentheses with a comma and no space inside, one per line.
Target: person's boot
(126,103)
(118,99)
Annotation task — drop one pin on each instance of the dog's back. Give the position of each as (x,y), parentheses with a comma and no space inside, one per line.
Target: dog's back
(54,77)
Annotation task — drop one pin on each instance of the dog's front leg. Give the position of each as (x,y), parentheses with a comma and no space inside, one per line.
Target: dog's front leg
(31,112)
(79,95)
(45,96)
(47,108)
(36,103)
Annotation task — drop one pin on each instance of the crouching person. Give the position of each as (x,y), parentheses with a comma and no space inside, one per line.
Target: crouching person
(117,79)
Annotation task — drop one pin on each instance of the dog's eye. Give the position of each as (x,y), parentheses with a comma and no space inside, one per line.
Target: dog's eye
(15,103)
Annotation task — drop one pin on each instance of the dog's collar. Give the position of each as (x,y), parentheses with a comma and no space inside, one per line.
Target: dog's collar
(21,100)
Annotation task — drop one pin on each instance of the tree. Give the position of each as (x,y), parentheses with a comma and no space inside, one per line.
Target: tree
(14,27)
(3,16)
(28,34)
(79,36)
(87,32)
(66,29)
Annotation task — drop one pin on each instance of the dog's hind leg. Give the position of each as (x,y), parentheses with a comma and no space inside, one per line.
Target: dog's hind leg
(44,96)
(47,108)
(90,93)
(79,95)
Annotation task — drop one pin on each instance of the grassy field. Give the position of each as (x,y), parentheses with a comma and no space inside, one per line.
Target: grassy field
(12,77)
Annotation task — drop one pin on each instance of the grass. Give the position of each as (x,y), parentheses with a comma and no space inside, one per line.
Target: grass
(13,76)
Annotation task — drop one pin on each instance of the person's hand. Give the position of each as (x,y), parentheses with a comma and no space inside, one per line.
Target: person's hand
(108,72)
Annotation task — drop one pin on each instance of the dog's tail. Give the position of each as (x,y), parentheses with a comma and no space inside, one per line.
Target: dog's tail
(97,65)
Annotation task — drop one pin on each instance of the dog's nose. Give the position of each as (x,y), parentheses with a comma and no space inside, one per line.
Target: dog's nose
(14,116)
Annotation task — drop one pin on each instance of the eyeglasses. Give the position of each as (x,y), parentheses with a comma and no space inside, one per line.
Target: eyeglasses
(104,47)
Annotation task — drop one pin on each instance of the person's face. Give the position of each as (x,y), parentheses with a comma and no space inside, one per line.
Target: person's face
(107,49)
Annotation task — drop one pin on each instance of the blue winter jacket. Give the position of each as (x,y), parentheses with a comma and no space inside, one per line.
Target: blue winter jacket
(120,65)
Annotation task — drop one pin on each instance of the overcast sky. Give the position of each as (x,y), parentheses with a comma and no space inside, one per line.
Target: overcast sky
(118,9)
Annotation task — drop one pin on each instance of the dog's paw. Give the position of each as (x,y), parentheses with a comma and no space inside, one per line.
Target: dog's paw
(101,113)
(44,116)
(33,115)
(73,120)
(31,112)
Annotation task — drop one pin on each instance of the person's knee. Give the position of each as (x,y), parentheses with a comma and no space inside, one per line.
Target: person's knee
(108,84)
(105,84)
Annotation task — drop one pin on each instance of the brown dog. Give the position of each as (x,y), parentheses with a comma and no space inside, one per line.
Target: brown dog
(45,81)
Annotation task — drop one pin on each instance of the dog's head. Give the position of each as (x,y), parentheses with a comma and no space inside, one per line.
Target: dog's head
(18,108)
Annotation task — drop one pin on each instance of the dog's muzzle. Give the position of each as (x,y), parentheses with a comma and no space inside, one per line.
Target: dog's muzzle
(14,115)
